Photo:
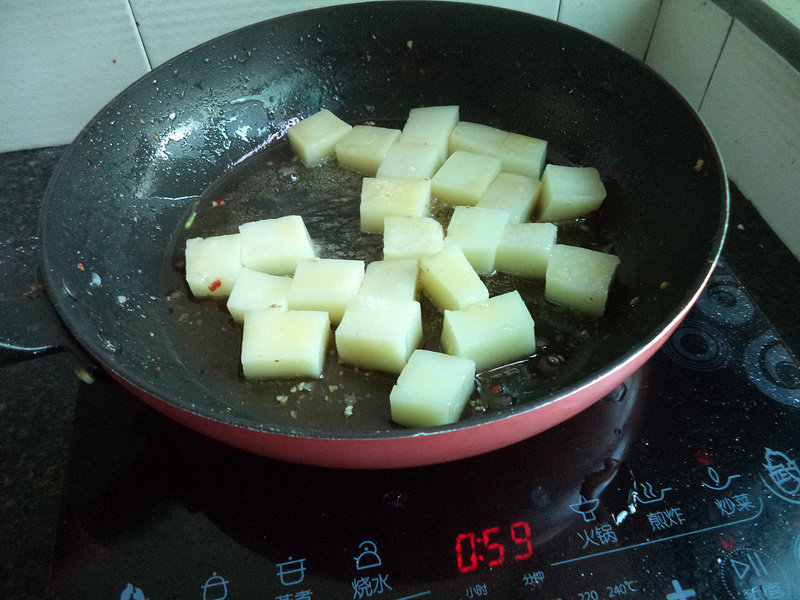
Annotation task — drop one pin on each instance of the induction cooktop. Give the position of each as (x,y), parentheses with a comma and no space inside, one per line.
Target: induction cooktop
(682,483)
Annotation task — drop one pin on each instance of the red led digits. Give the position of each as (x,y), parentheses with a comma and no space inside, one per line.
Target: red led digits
(521,534)
(472,549)
(494,547)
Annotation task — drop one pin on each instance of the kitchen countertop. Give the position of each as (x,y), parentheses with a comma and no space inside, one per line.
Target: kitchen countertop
(36,415)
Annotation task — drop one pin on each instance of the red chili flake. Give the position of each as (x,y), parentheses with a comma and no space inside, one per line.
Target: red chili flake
(497,389)
(215,285)
(80,266)
(114,60)
(216,203)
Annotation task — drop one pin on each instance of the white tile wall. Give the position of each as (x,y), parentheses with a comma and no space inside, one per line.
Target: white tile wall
(686,44)
(752,109)
(62,60)
(628,24)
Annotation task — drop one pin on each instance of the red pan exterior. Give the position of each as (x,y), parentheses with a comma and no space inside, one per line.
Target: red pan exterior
(423,448)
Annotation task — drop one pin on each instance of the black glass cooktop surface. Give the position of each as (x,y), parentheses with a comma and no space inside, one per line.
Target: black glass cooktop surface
(683,483)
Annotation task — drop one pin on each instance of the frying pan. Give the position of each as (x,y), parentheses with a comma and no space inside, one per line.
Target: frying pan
(198,146)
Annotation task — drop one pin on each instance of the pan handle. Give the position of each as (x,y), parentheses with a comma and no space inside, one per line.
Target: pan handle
(11,354)
(31,328)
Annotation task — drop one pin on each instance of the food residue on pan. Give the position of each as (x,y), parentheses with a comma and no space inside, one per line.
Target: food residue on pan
(289,332)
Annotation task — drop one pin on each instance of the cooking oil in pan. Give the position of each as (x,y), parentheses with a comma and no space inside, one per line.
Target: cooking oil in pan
(273,184)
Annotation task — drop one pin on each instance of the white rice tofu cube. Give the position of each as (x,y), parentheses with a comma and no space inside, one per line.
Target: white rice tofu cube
(314,138)
(514,193)
(523,155)
(391,279)
(411,237)
(450,281)
(277,344)
(580,278)
(465,177)
(213,264)
(569,192)
(364,147)
(432,389)
(431,125)
(379,333)
(477,231)
(255,290)
(327,284)
(386,197)
(495,332)
(410,159)
(476,138)
(275,245)
(524,249)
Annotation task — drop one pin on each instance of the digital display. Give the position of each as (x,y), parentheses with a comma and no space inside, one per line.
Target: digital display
(493,546)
